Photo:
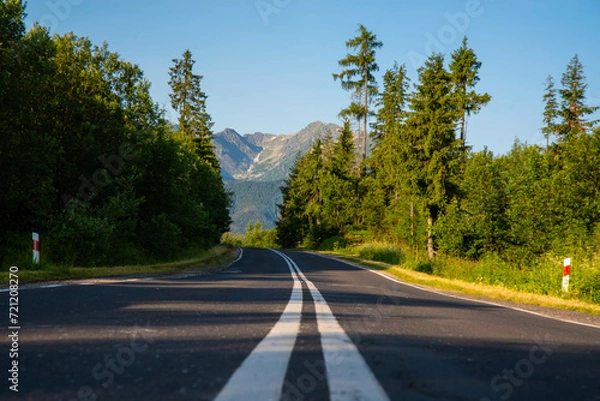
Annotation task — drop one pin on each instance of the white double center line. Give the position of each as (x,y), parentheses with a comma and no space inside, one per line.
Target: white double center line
(261,375)
(348,375)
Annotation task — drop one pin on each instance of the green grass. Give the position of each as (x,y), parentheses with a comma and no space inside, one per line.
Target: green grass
(215,256)
(491,277)
(381,253)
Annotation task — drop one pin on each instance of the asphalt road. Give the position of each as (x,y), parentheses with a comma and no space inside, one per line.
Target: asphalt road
(289,326)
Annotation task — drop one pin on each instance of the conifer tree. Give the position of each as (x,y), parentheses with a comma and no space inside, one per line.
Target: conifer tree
(464,70)
(343,153)
(550,111)
(392,101)
(189,100)
(300,212)
(433,148)
(574,109)
(358,75)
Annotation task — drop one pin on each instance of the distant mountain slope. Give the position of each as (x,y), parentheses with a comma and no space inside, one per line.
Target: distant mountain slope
(254,201)
(254,167)
(265,157)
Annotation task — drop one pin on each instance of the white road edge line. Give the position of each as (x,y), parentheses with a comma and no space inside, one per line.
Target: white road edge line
(348,375)
(262,374)
(422,288)
(239,256)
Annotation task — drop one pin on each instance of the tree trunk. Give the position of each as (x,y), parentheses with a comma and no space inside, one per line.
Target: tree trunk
(366,114)
(412,222)
(430,249)
(463,134)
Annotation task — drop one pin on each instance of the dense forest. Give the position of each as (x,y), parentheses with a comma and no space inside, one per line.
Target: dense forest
(423,188)
(253,201)
(89,160)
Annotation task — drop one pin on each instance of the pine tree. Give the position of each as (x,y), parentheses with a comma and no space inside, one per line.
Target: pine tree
(550,111)
(573,108)
(355,111)
(189,100)
(464,70)
(433,148)
(358,76)
(392,102)
(342,158)
(301,210)
(12,26)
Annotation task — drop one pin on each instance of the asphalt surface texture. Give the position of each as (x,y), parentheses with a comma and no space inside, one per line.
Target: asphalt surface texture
(288,326)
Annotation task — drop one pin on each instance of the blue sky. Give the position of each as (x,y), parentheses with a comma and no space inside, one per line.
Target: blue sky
(267,64)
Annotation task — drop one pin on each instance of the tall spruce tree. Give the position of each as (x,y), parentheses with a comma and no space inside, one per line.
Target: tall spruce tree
(357,112)
(392,102)
(339,184)
(301,209)
(551,112)
(435,155)
(464,70)
(189,100)
(573,108)
(358,74)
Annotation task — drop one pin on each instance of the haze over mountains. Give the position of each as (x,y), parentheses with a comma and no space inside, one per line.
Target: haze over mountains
(255,165)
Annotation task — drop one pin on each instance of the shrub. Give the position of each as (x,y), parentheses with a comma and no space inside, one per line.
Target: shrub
(333,244)
(382,253)
(79,237)
(161,237)
(232,239)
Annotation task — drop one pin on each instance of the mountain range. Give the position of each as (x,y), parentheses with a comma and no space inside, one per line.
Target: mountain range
(254,167)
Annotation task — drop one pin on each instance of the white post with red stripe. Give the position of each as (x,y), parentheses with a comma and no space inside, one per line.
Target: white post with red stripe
(35,247)
(566,275)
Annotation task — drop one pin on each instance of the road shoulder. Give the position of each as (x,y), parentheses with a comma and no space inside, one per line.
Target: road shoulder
(175,270)
(572,316)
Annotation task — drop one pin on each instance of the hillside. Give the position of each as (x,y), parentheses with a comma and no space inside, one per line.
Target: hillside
(254,201)
(265,157)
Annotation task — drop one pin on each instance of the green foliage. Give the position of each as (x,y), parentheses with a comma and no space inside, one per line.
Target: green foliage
(90,162)
(464,70)
(381,253)
(255,237)
(254,201)
(551,112)
(392,102)
(320,199)
(189,100)
(504,220)
(358,77)
(573,108)
(333,244)
(232,239)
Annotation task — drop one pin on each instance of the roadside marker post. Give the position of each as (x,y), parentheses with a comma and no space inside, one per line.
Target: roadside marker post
(566,275)
(35,247)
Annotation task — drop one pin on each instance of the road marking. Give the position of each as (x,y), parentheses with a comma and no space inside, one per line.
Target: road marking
(348,375)
(422,288)
(261,375)
(239,256)
(38,288)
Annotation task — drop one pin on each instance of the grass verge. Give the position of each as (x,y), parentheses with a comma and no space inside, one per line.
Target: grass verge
(491,292)
(215,256)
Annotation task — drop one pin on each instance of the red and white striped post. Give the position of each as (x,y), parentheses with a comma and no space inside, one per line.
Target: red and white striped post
(566,275)
(35,247)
